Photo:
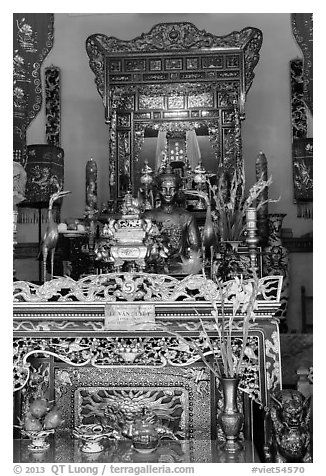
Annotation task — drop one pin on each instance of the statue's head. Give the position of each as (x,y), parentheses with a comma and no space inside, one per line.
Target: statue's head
(168,184)
(291,406)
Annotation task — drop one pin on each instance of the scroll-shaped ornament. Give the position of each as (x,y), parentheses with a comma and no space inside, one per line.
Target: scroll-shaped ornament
(32,40)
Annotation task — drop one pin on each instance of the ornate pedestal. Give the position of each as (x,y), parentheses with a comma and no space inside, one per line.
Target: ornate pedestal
(129,233)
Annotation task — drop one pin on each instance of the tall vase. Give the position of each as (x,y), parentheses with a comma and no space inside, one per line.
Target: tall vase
(276,263)
(230,418)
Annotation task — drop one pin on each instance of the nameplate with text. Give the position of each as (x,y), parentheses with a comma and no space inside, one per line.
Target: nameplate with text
(128,317)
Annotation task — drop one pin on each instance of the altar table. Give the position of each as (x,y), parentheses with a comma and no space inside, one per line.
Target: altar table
(65,341)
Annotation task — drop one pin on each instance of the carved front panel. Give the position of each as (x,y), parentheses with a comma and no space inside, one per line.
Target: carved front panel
(181,398)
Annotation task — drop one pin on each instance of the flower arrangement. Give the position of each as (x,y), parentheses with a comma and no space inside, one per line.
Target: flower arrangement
(225,356)
(231,203)
(243,297)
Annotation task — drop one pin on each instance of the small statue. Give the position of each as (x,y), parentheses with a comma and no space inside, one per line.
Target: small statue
(51,234)
(130,205)
(179,235)
(290,415)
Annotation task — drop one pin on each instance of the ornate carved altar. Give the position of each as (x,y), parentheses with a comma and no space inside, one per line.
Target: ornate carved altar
(174,84)
(65,341)
(173,79)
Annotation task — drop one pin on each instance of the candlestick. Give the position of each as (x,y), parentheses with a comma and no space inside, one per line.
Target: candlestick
(146,179)
(91,206)
(251,237)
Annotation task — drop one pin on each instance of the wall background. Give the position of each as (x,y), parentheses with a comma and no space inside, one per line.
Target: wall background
(266,128)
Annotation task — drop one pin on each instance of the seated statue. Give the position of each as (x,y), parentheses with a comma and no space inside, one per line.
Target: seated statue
(178,236)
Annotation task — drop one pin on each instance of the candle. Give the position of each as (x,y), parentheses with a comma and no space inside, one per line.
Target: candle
(251,237)
(251,218)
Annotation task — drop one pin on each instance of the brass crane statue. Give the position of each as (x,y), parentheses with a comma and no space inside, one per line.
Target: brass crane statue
(51,234)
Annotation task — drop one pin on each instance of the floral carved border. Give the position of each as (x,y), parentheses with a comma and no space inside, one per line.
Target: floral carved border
(126,353)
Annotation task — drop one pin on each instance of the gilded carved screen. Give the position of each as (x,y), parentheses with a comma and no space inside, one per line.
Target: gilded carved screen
(174,78)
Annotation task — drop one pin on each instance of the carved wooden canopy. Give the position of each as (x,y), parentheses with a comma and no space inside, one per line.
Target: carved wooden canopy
(175,77)
(176,37)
